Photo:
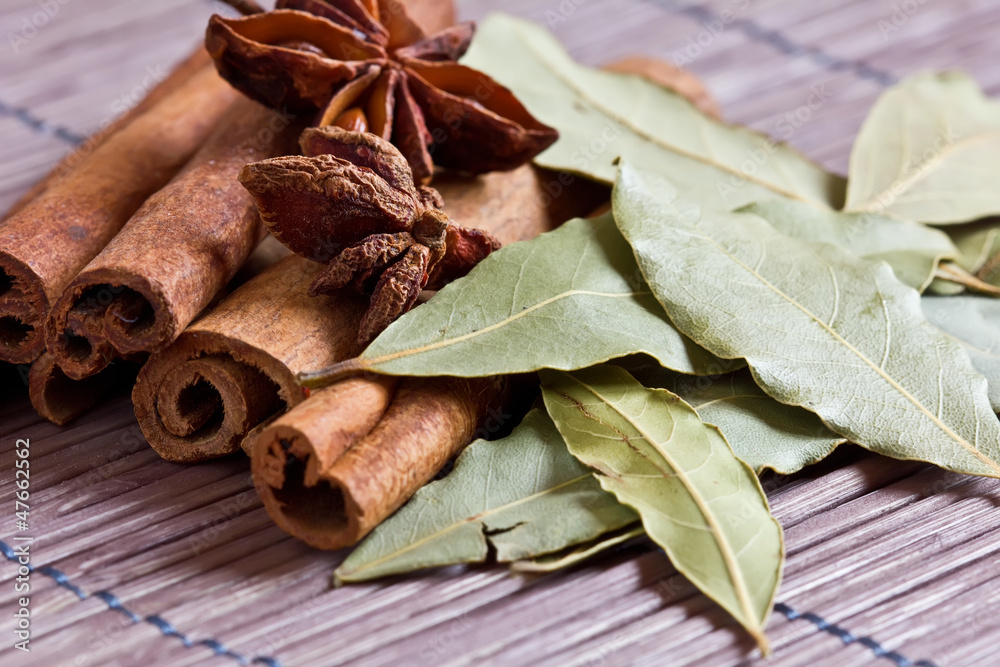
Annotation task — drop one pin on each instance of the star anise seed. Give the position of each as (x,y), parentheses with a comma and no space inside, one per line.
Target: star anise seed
(356,208)
(369,66)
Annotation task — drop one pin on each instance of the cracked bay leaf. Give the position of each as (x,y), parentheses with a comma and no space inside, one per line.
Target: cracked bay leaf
(764,433)
(928,151)
(603,115)
(911,249)
(522,496)
(567,299)
(818,327)
(974,321)
(698,501)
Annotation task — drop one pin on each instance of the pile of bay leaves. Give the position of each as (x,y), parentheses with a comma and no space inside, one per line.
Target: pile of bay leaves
(781,303)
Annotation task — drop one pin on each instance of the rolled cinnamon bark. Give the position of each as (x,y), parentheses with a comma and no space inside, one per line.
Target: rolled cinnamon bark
(46,244)
(61,399)
(235,368)
(179,249)
(185,70)
(329,487)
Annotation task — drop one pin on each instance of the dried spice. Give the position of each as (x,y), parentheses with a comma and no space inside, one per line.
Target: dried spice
(351,203)
(233,370)
(331,486)
(45,245)
(368,66)
(132,298)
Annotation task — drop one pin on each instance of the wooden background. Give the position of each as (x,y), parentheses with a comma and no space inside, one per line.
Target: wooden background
(141,562)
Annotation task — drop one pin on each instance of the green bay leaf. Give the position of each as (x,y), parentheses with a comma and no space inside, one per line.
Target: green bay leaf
(765,434)
(578,554)
(523,495)
(603,115)
(978,243)
(818,327)
(974,321)
(567,299)
(928,151)
(696,499)
(911,249)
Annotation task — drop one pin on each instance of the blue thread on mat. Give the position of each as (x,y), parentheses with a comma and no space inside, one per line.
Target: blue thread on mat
(39,125)
(114,603)
(783,44)
(849,637)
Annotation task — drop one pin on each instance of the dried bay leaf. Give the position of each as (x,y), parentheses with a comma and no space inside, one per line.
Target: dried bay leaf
(974,321)
(603,115)
(523,495)
(696,499)
(928,151)
(941,287)
(911,249)
(567,299)
(576,555)
(977,243)
(764,433)
(818,327)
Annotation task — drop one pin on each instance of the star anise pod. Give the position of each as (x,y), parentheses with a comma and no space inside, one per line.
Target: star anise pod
(367,66)
(350,202)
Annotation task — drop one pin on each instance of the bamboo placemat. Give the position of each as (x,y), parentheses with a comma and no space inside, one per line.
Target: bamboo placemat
(141,562)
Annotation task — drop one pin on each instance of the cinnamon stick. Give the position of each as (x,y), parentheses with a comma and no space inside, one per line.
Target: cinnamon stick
(179,249)
(61,399)
(197,61)
(46,244)
(235,368)
(323,483)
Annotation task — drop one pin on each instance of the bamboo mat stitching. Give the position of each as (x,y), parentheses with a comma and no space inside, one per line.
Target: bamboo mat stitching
(40,125)
(849,637)
(114,603)
(777,39)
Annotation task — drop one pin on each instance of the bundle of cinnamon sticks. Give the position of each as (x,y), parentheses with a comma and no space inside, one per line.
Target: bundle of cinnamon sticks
(125,253)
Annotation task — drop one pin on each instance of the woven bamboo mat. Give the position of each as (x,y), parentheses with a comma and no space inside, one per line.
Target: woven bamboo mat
(141,562)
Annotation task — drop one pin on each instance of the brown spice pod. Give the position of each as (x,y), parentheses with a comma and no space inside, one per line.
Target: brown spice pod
(197,61)
(175,254)
(329,487)
(60,399)
(496,132)
(45,245)
(249,52)
(235,368)
(430,15)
